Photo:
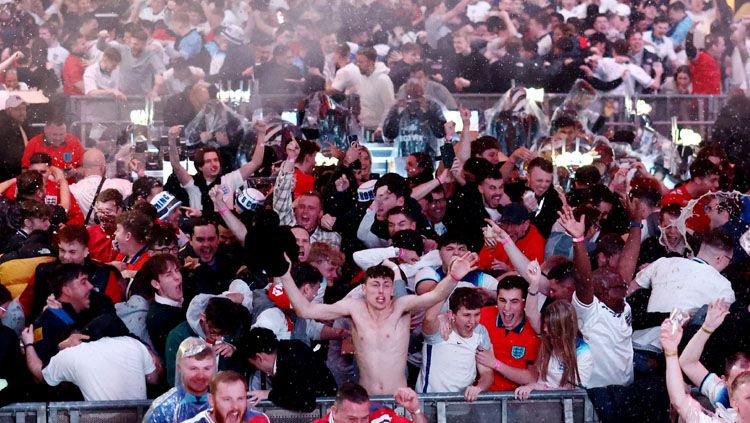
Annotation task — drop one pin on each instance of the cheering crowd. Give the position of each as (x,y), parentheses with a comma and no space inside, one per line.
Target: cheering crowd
(482,264)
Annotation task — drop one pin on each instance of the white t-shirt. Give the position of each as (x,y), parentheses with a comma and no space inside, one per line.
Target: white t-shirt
(95,79)
(475,279)
(678,282)
(608,70)
(85,189)
(715,389)
(110,369)
(450,366)
(57,56)
(233,180)
(609,335)
(584,359)
(347,79)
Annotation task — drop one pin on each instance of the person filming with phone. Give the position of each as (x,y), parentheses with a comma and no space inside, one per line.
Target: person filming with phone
(414,124)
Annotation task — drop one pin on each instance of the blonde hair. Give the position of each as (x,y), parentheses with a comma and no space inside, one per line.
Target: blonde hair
(560,329)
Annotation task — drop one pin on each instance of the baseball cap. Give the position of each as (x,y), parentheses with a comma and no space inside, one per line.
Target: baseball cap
(233,34)
(165,203)
(514,213)
(622,10)
(14,101)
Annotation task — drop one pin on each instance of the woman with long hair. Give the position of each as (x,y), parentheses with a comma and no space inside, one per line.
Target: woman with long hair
(565,360)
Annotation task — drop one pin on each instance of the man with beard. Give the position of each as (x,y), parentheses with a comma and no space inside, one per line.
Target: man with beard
(228,402)
(213,270)
(195,365)
(475,202)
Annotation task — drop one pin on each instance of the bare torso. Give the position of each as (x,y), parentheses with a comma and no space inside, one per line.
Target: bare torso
(381,346)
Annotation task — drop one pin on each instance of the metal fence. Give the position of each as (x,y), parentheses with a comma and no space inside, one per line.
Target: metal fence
(493,407)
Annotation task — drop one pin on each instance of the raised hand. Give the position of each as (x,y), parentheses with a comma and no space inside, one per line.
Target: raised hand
(463,265)
(498,232)
(670,336)
(407,398)
(342,183)
(717,311)
(465,114)
(574,228)
(217,194)
(534,272)
(292,151)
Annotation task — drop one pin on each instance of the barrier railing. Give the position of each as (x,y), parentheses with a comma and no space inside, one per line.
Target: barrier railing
(492,407)
(697,111)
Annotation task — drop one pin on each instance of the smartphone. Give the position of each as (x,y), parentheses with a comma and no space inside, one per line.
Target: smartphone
(448,155)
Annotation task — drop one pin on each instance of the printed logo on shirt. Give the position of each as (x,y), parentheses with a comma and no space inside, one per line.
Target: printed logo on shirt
(50,199)
(67,157)
(518,352)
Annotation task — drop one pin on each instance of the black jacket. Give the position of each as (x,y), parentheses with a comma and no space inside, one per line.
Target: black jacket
(12,142)
(300,378)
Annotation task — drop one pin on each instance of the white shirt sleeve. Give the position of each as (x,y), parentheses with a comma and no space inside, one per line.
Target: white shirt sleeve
(585,361)
(60,368)
(194,194)
(364,233)
(313,328)
(713,388)
(643,278)
(365,259)
(148,362)
(431,259)
(484,340)
(272,319)
(89,79)
(640,75)
(487,282)
(584,311)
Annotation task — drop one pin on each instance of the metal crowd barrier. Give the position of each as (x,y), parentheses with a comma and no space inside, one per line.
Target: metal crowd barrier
(492,407)
(695,111)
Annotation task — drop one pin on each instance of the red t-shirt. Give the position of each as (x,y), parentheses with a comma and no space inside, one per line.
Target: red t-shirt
(72,72)
(516,348)
(52,197)
(531,245)
(67,156)
(100,244)
(304,183)
(706,72)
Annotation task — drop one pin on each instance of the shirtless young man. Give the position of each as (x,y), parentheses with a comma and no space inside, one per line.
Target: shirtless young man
(380,323)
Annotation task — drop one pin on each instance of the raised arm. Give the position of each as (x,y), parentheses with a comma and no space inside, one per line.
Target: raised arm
(11,60)
(517,258)
(463,147)
(420,191)
(629,258)
(233,223)
(670,339)
(248,169)
(583,274)
(458,269)
(284,187)
(690,358)
(308,310)
(174,157)
(534,273)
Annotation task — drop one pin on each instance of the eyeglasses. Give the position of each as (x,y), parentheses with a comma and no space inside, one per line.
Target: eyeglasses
(172,250)
(709,208)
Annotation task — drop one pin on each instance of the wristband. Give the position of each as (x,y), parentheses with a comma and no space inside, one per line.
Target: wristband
(704,329)
(635,224)
(400,252)
(453,277)
(415,412)
(578,239)
(223,211)
(505,241)
(532,293)
(497,365)
(670,354)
